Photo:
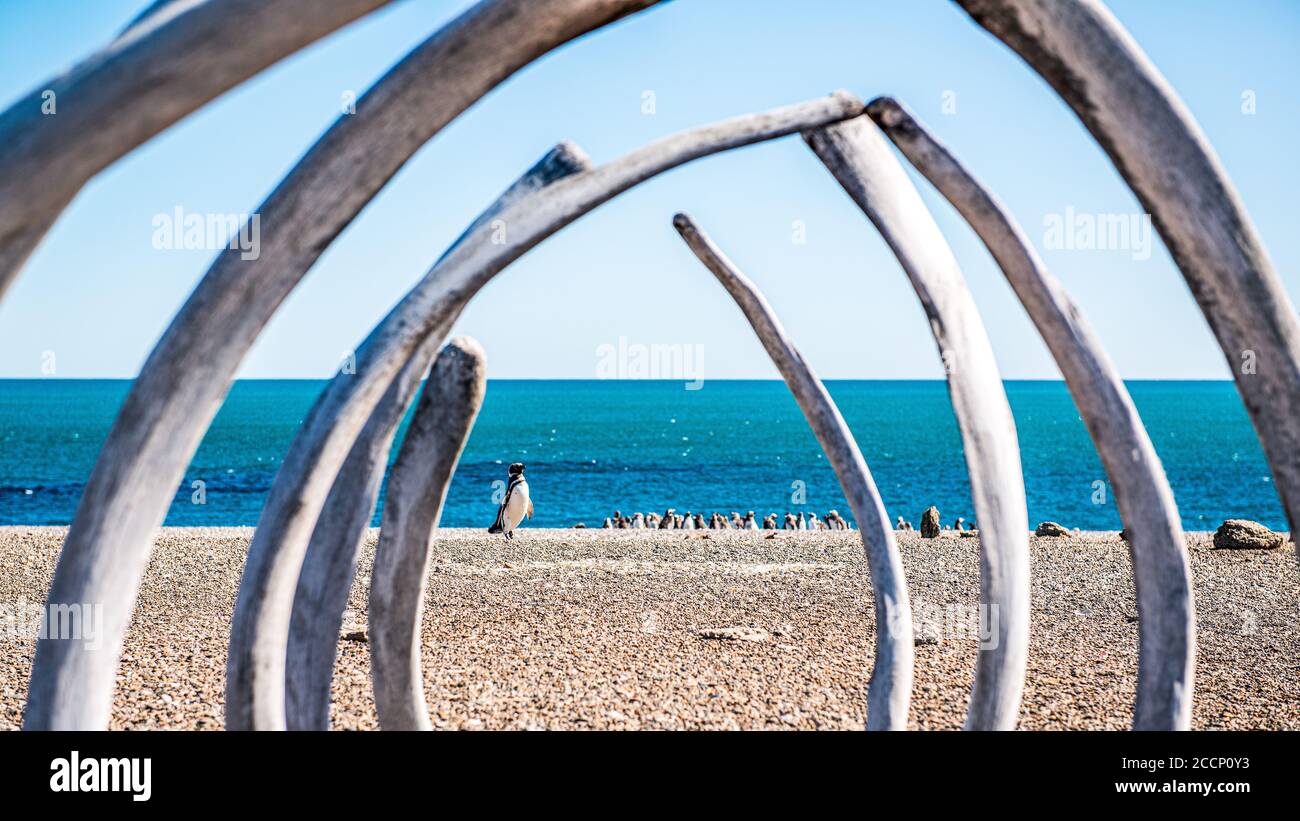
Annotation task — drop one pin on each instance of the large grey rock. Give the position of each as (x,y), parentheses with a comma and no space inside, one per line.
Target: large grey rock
(1051,529)
(1243,534)
(930,523)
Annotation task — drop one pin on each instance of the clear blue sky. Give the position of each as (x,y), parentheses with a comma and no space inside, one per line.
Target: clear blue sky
(98,294)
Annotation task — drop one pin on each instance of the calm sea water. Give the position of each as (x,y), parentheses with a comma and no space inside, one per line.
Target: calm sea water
(591,446)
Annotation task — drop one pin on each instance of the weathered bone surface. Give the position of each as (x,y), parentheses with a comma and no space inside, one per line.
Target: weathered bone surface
(1165,607)
(182,385)
(179,54)
(330,563)
(256,664)
(891,680)
(172,59)
(859,157)
(1095,65)
(417,488)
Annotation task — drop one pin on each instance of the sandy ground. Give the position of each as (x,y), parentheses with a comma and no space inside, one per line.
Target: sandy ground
(590,629)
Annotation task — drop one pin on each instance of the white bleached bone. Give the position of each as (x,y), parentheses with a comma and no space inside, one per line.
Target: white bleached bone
(1166,612)
(172,59)
(256,661)
(182,384)
(417,488)
(859,157)
(330,562)
(1135,115)
(891,680)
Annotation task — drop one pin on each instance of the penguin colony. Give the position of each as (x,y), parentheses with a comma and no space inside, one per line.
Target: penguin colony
(517,505)
(672,520)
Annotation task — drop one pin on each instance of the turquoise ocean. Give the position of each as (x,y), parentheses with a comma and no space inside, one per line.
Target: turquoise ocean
(593,446)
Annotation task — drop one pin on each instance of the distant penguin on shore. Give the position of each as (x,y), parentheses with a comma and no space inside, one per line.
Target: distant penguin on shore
(516,505)
(750,524)
(689,522)
(960,525)
(638,521)
(803,521)
(669,521)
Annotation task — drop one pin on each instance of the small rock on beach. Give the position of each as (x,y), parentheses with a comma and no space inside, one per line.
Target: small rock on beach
(930,523)
(1243,534)
(1050,529)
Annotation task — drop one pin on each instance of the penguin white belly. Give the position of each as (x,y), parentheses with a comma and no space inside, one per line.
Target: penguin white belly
(516,507)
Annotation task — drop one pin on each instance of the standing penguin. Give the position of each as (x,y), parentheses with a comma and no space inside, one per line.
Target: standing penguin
(669,521)
(515,506)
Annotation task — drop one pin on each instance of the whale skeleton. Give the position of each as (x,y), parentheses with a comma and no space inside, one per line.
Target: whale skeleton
(1078,47)
(259,632)
(182,384)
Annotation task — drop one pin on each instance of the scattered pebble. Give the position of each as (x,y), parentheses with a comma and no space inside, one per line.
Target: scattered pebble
(561,641)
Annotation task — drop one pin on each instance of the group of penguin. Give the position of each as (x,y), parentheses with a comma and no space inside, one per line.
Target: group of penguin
(517,505)
(672,520)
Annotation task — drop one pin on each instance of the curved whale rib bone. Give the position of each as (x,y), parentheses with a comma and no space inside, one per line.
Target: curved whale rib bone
(858,156)
(172,59)
(183,382)
(1166,613)
(891,680)
(259,633)
(330,563)
(417,488)
(1095,65)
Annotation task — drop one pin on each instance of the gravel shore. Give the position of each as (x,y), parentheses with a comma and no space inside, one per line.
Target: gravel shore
(724,629)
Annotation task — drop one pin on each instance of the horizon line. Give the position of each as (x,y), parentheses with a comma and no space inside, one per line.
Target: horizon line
(595,379)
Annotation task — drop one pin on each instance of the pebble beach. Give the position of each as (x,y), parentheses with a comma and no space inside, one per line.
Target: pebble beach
(641,629)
